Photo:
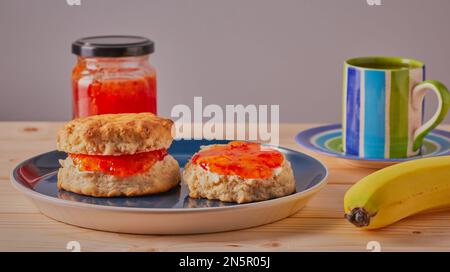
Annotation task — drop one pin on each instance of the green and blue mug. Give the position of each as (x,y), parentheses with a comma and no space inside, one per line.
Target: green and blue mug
(383,107)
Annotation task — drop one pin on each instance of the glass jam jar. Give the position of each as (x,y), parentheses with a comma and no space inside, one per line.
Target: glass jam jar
(113,75)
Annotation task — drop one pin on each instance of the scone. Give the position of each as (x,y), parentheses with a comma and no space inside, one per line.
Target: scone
(117,155)
(239,172)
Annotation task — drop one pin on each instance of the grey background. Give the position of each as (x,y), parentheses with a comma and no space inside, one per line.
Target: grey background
(287,52)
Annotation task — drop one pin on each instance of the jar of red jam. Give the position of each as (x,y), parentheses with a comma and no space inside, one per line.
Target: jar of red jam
(113,75)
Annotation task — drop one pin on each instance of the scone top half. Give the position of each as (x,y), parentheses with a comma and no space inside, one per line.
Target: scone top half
(115,134)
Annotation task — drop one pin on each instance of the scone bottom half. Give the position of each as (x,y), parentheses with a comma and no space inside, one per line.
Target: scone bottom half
(162,176)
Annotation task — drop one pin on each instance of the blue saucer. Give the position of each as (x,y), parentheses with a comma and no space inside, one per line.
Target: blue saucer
(327,140)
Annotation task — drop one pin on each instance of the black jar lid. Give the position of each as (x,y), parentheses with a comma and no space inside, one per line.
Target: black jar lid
(113,46)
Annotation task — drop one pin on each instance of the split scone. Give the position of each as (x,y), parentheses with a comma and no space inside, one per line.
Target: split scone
(239,172)
(117,155)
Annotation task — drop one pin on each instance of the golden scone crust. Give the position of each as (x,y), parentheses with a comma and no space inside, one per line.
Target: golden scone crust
(232,188)
(115,134)
(161,177)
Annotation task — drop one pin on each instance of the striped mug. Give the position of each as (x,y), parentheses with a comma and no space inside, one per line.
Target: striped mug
(383,107)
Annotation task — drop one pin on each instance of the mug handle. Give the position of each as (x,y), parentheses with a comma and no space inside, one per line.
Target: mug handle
(418,94)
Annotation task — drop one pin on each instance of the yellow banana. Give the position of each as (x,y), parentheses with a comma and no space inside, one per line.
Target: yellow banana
(399,191)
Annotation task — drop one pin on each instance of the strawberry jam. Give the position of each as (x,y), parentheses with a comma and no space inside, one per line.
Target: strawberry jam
(123,165)
(118,95)
(113,75)
(244,159)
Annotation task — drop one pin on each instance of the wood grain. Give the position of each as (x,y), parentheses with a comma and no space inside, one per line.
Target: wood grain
(319,226)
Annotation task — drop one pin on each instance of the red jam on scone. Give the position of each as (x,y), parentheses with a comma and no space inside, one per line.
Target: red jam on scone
(122,166)
(244,159)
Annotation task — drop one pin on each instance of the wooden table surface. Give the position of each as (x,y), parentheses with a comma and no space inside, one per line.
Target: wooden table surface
(320,226)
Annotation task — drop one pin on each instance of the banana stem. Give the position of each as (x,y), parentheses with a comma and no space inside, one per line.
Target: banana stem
(358,217)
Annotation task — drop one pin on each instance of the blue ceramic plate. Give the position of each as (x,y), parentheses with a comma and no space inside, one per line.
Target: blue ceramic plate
(36,177)
(327,140)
